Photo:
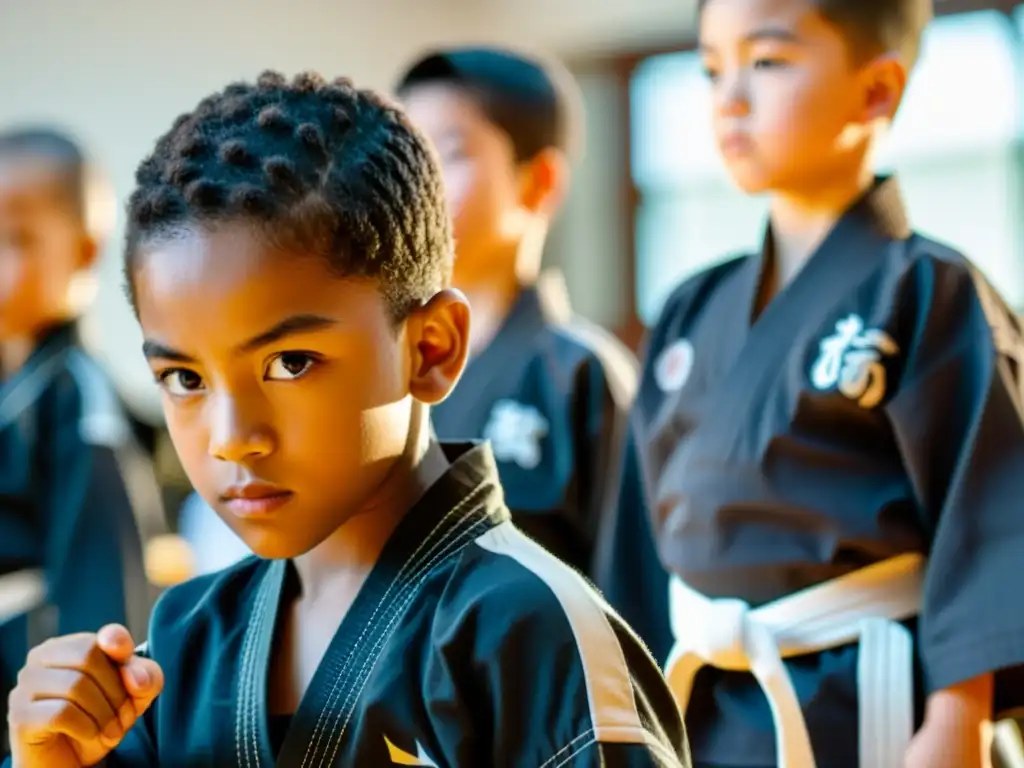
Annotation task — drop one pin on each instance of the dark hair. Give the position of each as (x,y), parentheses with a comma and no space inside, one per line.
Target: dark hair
(50,145)
(322,168)
(876,26)
(536,102)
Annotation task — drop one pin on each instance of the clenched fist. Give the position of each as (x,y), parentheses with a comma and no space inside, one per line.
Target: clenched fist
(77,697)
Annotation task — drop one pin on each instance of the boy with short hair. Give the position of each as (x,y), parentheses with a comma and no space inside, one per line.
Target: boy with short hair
(550,391)
(288,253)
(75,489)
(830,432)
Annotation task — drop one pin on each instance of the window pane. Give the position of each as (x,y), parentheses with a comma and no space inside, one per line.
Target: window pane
(953,145)
(972,202)
(963,95)
(678,235)
(672,141)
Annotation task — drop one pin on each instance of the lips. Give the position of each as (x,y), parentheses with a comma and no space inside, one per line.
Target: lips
(255,499)
(735,144)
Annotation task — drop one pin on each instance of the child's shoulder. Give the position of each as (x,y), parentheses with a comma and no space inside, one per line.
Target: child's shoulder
(508,589)
(87,400)
(578,344)
(700,285)
(688,300)
(940,278)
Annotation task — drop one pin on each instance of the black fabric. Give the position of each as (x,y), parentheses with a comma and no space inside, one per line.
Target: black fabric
(780,461)
(468,645)
(69,505)
(552,394)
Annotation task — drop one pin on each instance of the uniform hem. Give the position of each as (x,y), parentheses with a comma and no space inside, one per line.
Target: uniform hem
(952,664)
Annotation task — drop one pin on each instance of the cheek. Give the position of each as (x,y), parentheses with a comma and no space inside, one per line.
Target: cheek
(809,114)
(190,439)
(358,408)
(17,278)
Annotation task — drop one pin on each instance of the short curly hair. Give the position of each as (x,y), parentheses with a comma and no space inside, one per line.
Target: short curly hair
(321,168)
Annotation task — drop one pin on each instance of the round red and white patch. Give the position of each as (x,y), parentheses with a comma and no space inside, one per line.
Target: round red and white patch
(673,367)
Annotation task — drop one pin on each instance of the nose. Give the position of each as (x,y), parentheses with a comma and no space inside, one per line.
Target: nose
(731,95)
(238,434)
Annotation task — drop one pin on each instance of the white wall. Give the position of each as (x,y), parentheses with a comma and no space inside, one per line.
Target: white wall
(116,73)
(580,26)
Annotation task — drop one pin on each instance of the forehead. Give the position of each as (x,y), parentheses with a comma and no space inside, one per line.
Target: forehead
(224,285)
(30,186)
(437,107)
(722,20)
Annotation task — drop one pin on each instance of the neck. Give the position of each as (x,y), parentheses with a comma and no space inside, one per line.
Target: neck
(802,219)
(348,555)
(14,353)
(492,295)
(491,305)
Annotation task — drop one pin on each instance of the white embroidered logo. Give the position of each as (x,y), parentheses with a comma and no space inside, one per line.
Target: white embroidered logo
(673,366)
(515,432)
(851,360)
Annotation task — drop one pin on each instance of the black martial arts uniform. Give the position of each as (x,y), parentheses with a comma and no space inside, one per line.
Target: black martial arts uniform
(873,409)
(76,493)
(468,646)
(551,393)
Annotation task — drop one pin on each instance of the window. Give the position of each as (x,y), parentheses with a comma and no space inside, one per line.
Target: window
(960,176)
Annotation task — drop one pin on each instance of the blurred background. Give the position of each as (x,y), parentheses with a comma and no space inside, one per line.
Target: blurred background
(651,203)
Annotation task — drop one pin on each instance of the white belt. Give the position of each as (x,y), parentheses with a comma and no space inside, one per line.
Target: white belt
(861,606)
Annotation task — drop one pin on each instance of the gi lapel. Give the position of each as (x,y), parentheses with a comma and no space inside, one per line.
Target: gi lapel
(861,240)
(453,512)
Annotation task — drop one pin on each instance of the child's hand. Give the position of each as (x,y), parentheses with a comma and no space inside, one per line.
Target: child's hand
(77,697)
(955,732)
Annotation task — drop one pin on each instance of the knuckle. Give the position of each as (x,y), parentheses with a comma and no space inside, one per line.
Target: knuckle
(91,654)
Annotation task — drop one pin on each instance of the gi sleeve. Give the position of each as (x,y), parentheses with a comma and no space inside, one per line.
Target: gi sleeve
(545,674)
(958,418)
(604,394)
(627,568)
(98,490)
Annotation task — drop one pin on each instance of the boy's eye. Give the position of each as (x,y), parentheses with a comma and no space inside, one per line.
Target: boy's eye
(288,366)
(766,62)
(180,381)
(15,239)
(710,73)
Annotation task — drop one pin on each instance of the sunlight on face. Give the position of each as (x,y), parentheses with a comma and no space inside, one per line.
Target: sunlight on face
(276,376)
(480,174)
(786,92)
(42,246)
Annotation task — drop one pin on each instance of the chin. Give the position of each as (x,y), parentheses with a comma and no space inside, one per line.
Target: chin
(271,545)
(750,181)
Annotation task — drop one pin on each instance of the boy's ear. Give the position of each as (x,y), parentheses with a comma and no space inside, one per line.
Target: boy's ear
(885,82)
(544,182)
(438,335)
(88,252)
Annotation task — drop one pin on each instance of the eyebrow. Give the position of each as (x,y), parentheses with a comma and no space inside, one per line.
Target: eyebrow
(288,327)
(765,34)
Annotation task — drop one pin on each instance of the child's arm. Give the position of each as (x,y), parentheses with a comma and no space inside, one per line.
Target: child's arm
(953,732)
(603,395)
(959,421)
(627,567)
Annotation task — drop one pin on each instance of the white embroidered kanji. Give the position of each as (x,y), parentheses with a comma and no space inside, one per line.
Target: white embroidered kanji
(850,360)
